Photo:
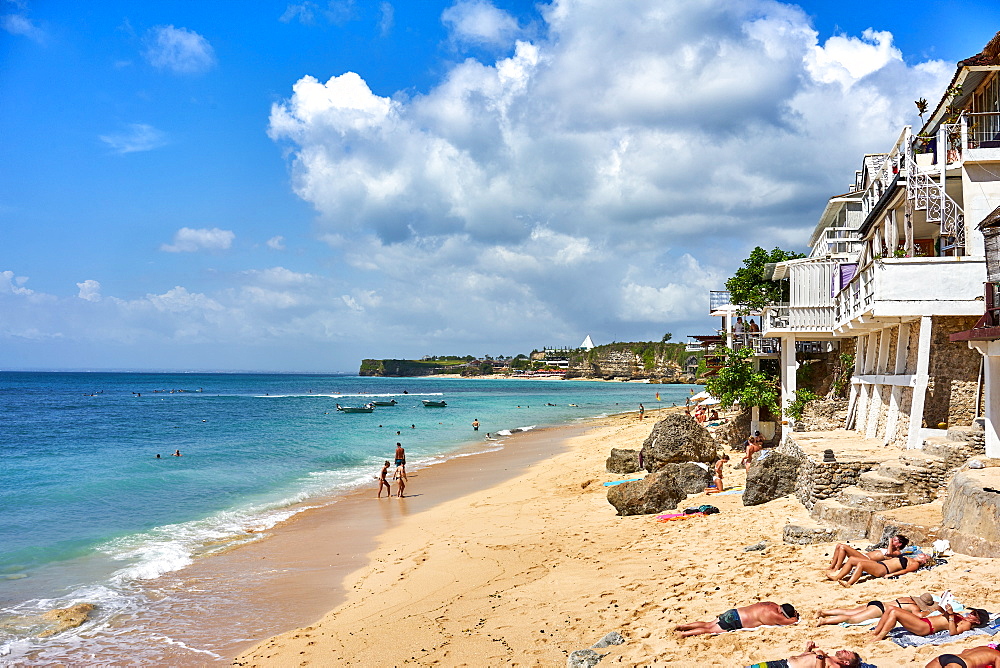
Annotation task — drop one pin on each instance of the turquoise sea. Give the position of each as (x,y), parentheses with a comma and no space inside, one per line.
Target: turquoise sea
(87,511)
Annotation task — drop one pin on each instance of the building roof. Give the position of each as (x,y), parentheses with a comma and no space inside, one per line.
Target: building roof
(588,343)
(966,80)
(992,220)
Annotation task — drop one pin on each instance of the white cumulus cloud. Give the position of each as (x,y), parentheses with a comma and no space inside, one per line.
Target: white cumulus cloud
(276,243)
(189,240)
(479,21)
(179,50)
(614,168)
(90,290)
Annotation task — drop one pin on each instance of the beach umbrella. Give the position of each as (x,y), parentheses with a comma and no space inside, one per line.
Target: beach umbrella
(701,396)
(711,401)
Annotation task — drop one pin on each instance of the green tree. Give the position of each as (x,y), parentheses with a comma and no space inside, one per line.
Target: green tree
(737,381)
(748,286)
(666,337)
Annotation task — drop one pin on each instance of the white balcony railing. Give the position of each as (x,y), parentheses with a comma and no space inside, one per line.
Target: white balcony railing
(894,287)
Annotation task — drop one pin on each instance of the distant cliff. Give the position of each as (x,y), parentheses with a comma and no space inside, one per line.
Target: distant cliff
(666,362)
(370,367)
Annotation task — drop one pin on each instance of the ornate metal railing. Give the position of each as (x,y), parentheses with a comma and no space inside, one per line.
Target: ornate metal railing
(926,193)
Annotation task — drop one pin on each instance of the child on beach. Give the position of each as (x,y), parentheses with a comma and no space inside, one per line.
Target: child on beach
(382,481)
(400,476)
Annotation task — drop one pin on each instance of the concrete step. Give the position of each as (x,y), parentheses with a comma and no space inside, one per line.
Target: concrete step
(944,448)
(853,521)
(921,459)
(877,481)
(902,471)
(963,433)
(808,533)
(857,497)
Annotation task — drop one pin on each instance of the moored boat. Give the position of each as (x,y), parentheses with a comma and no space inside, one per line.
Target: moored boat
(391,402)
(367,408)
(431,403)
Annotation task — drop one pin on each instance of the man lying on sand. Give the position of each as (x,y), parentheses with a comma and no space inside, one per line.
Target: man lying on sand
(874,609)
(876,569)
(977,657)
(747,617)
(815,658)
(952,622)
(842,552)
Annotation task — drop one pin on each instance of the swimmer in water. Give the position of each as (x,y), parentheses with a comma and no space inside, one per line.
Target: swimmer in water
(177,453)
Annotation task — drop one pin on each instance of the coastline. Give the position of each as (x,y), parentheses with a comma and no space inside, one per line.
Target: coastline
(297,572)
(534,567)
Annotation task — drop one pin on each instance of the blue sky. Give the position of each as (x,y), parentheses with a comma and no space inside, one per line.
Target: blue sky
(294,186)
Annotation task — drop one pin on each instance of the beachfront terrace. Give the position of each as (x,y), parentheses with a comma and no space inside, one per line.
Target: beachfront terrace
(906,287)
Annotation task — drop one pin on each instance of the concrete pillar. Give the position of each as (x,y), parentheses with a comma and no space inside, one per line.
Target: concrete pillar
(920,379)
(991,377)
(899,368)
(788,369)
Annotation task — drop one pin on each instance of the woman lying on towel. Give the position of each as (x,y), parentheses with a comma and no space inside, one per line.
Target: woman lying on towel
(877,569)
(921,605)
(952,622)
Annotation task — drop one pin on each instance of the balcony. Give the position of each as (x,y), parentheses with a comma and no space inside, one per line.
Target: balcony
(718,299)
(912,287)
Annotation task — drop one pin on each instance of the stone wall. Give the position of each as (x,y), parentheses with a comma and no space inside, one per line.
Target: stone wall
(823,415)
(954,374)
(819,480)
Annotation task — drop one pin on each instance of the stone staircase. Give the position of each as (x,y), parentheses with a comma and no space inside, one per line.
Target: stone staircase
(914,477)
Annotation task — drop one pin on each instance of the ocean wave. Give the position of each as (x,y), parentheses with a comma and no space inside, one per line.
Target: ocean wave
(337,395)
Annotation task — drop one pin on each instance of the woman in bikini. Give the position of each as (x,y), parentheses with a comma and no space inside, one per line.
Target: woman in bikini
(950,621)
(921,605)
(877,569)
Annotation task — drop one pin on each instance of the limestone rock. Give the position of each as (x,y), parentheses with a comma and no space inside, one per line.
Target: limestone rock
(583,658)
(653,494)
(677,438)
(613,638)
(691,477)
(623,461)
(66,618)
(771,476)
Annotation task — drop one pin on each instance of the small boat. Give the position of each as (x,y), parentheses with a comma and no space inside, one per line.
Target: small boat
(391,402)
(430,403)
(367,408)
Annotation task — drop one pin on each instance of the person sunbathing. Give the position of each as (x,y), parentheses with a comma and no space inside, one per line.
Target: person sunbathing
(975,657)
(874,609)
(952,622)
(747,617)
(877,569)
(814,658)
(843,552)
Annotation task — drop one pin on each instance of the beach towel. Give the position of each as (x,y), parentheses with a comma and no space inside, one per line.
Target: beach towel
(735,490)
(904,638)
(677,516)
(618,482)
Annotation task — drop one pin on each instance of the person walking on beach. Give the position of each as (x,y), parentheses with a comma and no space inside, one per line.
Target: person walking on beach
(747,617)
(383,482)
(400,477)
(642,411)
(401,458)
(814,658)
(475,424)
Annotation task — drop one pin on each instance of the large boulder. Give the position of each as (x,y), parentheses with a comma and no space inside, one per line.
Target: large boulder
(623,461)
(653,494)
(691,477)
(771,476)
(675,439)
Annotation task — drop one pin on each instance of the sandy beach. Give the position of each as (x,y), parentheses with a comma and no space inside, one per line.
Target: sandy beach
(526,571)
